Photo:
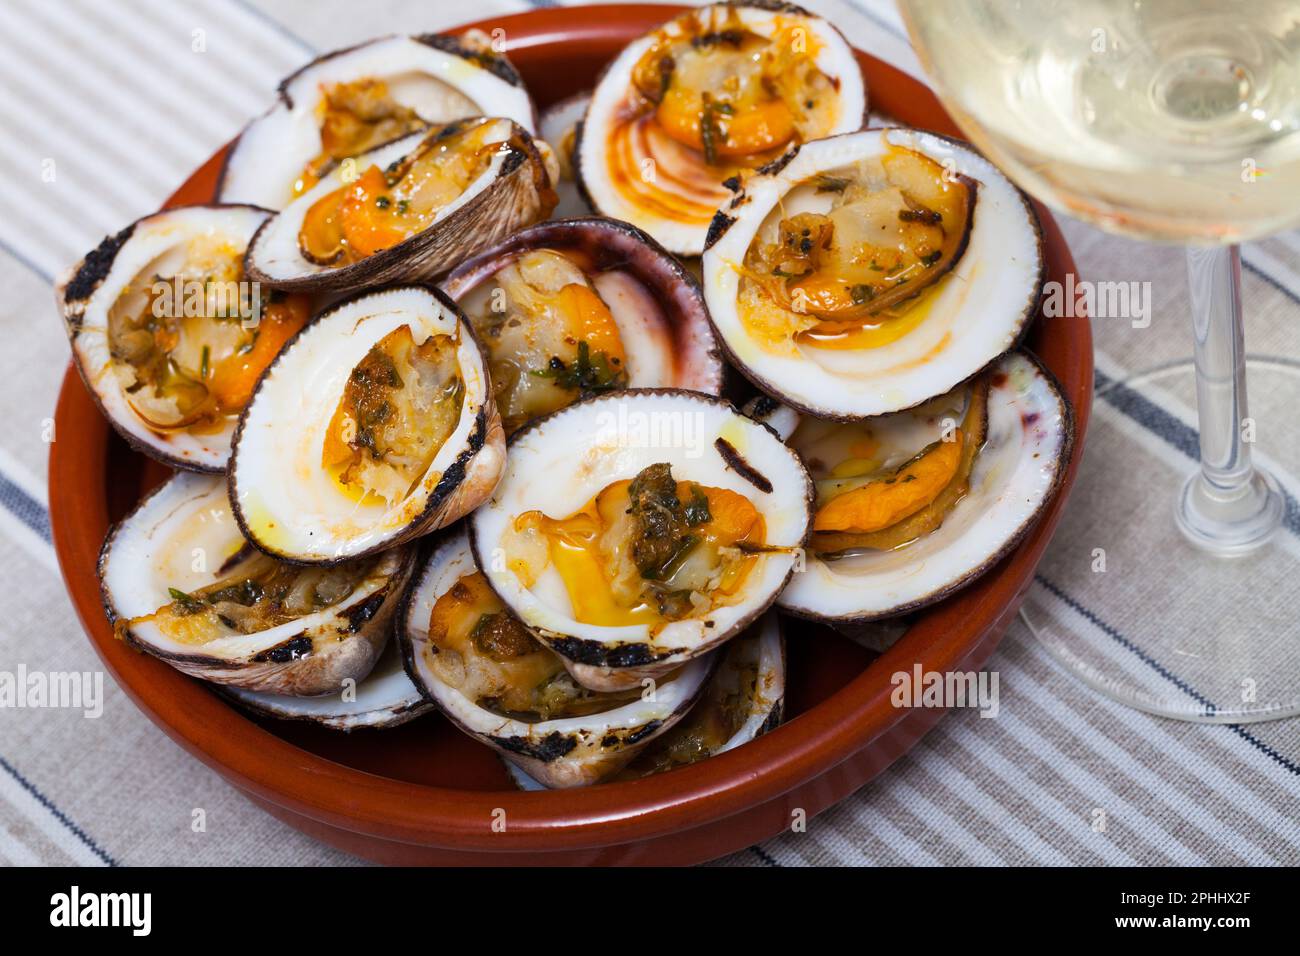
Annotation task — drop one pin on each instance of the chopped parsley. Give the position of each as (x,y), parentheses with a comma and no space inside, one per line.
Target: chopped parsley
(185,603)
(588,374)
(697,509)
(710,132)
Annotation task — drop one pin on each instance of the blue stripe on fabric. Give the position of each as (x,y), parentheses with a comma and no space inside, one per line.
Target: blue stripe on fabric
(29,263)
(1114,634)
(24,507)
(58,814)
(1275,283)
(1093,618)
(767,858)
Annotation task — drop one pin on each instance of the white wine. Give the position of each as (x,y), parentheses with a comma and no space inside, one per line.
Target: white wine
(1176,120)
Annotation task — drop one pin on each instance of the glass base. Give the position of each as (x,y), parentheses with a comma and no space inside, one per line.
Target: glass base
(1200,626)
(1233,525)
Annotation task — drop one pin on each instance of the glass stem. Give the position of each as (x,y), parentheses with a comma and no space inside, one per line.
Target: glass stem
(1227,505)
(1215,277)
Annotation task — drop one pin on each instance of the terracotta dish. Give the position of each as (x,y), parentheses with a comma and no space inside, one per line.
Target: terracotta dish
(424,792)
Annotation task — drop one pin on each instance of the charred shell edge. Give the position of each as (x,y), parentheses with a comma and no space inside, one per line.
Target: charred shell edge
(555,746)
(1068,436)
(74,291)
(498,64)
(487,422)
(591,653)
(417,258)
(1028,312)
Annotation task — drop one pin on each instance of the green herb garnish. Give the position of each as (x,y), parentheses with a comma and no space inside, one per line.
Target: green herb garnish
(186,603)
(697,509)
(709,129)
(588,374)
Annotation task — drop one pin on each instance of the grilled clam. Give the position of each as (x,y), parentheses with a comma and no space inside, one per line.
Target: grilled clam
(409,211)
(913,505)
(573,308)
(384,698)
(638,530)
(490,675)
(559,128)
(181,583)
(867,273)
(374,426)
(352,101)
(743,699)
(713,92)
(168,334)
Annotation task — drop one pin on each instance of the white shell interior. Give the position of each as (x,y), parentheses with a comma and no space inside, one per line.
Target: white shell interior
(975,313)
(289,502)
(555,123)
(560,463)
(452,561)
(439,86)
(178,538)
(1011,480)
(834,58)
(276,251)
(764,643)
(156,245)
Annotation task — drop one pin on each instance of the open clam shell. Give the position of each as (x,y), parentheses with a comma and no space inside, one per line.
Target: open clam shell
(514,291)
(951,280)
(581,739)
(638,530)
(168,336)
(743,699)
(1028,434)
(179,582)
(372,240)
(717,90)
(368,94)
(375,425)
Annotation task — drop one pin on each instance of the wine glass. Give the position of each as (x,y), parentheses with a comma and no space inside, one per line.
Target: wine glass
(1174,121)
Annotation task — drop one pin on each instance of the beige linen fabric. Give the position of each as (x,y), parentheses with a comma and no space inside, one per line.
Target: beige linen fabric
(107,106)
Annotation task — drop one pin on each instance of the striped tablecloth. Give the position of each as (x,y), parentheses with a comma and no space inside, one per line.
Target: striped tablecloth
(107,106)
